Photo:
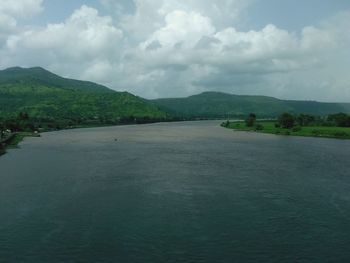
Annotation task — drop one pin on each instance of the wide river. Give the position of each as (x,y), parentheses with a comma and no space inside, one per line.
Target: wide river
(178,192)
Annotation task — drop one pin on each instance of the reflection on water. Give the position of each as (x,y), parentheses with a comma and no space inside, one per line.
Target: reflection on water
(179,192)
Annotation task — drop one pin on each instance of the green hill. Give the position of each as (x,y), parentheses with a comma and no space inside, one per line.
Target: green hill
(51,99)
(40,77)
(45,96)
(222,105)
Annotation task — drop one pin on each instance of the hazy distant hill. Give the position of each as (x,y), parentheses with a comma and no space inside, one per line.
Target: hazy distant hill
(43,94)
(217,104)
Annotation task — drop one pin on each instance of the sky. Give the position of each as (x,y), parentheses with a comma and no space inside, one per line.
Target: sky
(166,48)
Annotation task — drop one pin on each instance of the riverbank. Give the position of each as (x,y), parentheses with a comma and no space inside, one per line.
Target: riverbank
(14,139)
(307,131)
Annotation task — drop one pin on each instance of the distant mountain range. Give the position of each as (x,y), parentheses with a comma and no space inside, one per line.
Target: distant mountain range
(44,95)
(222,105)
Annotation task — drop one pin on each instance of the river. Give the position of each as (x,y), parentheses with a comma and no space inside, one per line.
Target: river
(175,192)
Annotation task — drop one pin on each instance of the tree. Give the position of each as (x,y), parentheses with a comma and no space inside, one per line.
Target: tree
(23,116)
(340,119)
(2,149)
(286,120)
(250,121)
(305,119)
(2,130)
(13,125)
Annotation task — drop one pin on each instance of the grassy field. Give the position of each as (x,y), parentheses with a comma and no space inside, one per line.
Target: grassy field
(310,131)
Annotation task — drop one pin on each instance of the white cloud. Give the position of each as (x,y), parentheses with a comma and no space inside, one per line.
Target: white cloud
(149,15)
(21,8)
(7,23)
(85,37)
(171,48)
(271,61)
(181,28)
(270,41)
(11,11)
(85,33)
(314,38)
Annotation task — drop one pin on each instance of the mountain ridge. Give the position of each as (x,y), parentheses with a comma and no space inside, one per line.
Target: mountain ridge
(43,94)
(220,104)
(46,96)
(39,75)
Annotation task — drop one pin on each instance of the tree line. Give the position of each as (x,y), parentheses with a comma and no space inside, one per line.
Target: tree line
(290,121)
(23,122)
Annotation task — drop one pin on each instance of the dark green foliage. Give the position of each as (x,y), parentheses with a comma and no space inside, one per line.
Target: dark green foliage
(225,124)
(341,134)
(316,132)
(296,129)
(305,119)
(339,119)
(286,121)
(2,135)
(250,121)
(222,105)
(2,149)
(259,127)
(2,129)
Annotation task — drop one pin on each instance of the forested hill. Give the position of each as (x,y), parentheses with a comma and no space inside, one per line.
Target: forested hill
(40,77)
(222,105)
(46,97)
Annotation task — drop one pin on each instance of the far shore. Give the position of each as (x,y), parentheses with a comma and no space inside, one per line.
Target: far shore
(268,127)
(12,140)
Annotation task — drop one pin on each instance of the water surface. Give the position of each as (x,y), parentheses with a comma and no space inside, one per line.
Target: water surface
(178,192)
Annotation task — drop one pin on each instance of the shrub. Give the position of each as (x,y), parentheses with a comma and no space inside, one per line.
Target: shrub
(286,120)
(225,124)
(316,132)
(340,119)
(296,129)
(305,119)
(250,120)
(341,134)
(259,127)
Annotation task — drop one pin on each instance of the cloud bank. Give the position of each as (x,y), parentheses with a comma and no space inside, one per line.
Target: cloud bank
(163,48)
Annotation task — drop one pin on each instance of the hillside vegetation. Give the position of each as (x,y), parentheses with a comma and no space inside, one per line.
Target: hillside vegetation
(19,77)
(38,98)
(50,99)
